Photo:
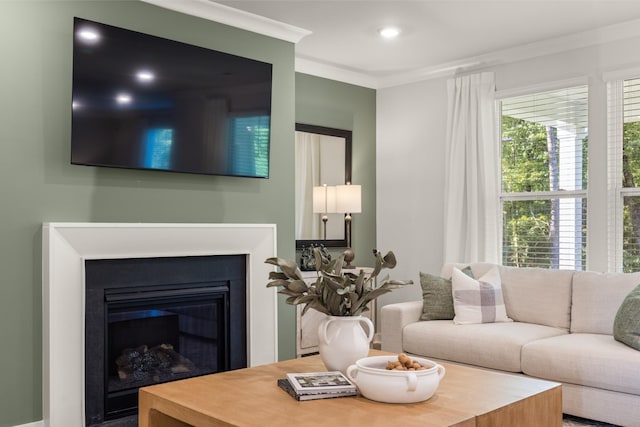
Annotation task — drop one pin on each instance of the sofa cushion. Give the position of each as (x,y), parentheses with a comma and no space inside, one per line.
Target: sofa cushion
(596,299)
(491,345)
(537,295)
(437,298)
(626,326)
(593,360)
(478,301)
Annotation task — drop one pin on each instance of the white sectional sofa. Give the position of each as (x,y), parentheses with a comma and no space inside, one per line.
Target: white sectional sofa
(562,330)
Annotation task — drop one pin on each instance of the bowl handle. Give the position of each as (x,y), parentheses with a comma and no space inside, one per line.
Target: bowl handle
(441,371)
(412,381)
(352,373)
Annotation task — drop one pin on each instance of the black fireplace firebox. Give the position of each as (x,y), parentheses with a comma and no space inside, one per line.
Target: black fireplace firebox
(154,320)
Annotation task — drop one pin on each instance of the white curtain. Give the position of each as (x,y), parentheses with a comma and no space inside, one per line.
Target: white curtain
(307,150)
(472,186)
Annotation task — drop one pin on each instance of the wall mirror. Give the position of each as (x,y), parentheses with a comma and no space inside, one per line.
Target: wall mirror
(322,157)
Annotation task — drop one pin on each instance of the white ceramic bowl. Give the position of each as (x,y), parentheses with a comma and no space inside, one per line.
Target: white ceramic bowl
(377,383)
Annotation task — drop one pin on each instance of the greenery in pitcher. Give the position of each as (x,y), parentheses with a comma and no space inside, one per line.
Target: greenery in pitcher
(336,291)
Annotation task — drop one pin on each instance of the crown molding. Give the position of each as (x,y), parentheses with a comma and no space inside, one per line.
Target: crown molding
(234,17)
(332,72)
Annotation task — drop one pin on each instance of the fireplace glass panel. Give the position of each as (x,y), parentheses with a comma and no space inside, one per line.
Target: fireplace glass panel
(163,337)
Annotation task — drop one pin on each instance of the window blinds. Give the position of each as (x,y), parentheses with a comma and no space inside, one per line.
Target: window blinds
(544,145)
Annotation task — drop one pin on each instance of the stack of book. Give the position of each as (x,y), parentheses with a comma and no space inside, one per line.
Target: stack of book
(317,385)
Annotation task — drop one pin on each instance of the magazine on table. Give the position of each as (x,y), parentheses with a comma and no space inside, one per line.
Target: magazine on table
(284,384)
(320,382)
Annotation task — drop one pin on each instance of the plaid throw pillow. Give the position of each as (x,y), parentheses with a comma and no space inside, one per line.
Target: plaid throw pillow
(478,300)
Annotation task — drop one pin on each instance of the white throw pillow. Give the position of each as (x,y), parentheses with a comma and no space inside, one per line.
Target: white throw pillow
(478,300)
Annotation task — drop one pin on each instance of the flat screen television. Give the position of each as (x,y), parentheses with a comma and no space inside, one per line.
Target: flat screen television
(146,102)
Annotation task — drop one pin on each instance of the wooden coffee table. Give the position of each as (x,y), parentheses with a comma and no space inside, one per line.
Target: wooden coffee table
(251,397)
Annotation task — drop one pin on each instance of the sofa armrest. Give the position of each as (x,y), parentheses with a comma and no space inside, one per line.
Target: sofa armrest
(394,317)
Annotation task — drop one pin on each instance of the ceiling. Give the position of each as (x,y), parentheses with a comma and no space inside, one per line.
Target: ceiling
(439,37)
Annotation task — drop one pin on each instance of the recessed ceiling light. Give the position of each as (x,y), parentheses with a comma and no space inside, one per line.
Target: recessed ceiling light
(389,32)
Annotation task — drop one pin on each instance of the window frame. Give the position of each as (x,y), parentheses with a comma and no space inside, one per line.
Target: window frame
(615,189)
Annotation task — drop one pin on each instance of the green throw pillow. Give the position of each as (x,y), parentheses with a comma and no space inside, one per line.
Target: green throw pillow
(437,297)
(626,326)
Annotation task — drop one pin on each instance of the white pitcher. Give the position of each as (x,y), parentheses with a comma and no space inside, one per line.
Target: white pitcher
(343,340)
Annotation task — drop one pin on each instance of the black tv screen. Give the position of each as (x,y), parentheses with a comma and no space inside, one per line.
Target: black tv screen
(145,102)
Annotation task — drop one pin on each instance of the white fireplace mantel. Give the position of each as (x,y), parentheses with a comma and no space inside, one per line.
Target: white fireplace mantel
(67,245)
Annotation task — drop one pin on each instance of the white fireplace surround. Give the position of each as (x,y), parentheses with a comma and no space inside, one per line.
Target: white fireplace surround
(65,247)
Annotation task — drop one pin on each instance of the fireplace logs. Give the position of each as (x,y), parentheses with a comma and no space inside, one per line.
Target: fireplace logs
(158,363)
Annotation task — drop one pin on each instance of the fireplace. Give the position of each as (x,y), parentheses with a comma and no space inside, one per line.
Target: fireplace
(154,320)
(69,247)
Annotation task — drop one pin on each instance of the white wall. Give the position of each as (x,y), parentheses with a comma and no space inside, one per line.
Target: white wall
(411,126)
(410,179)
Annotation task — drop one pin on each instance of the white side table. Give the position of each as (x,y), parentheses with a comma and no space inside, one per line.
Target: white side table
(307,325)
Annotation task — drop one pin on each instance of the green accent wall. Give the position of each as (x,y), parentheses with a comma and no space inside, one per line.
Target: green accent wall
(333,104)
(38,184)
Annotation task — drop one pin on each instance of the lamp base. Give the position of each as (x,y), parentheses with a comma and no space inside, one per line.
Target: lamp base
(348,257)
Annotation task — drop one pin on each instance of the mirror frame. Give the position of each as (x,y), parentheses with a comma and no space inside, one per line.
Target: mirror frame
(348,138)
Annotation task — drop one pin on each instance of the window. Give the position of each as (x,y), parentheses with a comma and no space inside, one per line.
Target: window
(624,172)
(544,141)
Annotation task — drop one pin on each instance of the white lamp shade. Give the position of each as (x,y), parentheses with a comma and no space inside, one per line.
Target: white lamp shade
(349,198)
(324,199)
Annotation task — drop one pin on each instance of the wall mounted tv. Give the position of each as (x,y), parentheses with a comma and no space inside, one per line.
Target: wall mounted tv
(145,102)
